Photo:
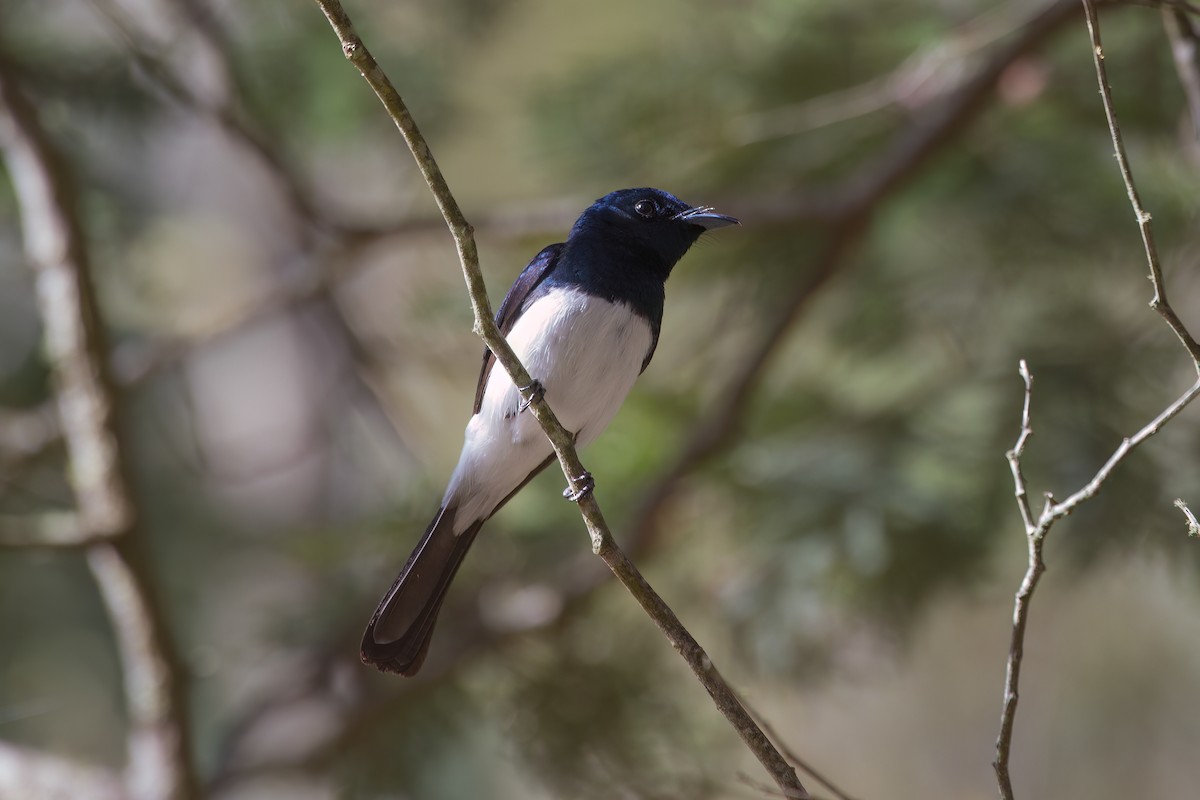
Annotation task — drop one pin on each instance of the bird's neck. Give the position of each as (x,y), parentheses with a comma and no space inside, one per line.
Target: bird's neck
(619,271)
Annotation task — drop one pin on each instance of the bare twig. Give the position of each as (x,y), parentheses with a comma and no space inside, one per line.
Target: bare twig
(1123,450)
(1053,511)
(1159,302)
(1193,525)
(160,764)
(1033,573)
(562,441)
(836,791)
(1014,455)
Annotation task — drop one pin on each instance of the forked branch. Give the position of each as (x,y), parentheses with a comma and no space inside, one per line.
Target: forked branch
(1037,529)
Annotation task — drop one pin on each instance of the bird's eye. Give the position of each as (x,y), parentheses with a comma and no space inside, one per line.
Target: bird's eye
(646,208)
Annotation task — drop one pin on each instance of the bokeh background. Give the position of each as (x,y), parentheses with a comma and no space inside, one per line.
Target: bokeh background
(811,472)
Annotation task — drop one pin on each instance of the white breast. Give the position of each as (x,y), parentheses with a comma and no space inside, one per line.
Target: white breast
(587,352)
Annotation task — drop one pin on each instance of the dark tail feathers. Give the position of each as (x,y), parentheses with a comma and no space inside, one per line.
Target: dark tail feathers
(397,638)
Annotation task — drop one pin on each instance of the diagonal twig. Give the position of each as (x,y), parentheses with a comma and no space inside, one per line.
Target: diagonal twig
(1159,302)
(1014,455)
(562,441)
(834,790)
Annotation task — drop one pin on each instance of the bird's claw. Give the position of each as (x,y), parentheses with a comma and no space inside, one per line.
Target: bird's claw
(587,484)
(530,394)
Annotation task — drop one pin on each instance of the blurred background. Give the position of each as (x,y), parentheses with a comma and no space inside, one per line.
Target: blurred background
(811,472)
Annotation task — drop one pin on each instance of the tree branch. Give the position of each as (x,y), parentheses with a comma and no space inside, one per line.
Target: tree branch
(1159,302)
(1052,511)
(562,441)
(834,790)
(160,765)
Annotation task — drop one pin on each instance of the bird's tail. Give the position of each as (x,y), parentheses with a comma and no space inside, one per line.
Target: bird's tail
(398,635)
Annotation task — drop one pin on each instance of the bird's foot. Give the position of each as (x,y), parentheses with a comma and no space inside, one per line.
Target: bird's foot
(532,393)
(587,484)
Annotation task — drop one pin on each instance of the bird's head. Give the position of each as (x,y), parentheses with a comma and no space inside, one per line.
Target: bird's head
(650,218)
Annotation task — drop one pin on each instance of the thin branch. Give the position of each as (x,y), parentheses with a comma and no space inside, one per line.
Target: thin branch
(836,791)
(1053,511)
(1193,525)
(1127,446)
(1033,573)
(562,441)
(160,764)
(1159,302)
(159,743)
(1014,455)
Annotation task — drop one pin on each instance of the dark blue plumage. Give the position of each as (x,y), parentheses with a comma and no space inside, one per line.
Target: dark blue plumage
(584,318)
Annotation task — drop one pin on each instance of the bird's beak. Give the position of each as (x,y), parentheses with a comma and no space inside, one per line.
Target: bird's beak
(706,217)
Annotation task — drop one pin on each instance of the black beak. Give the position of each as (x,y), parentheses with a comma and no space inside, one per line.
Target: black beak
(706,217)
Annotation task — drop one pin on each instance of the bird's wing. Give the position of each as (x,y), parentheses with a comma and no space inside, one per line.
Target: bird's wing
(529,279)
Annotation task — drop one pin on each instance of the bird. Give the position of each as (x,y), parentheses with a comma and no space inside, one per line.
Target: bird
(584,318)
